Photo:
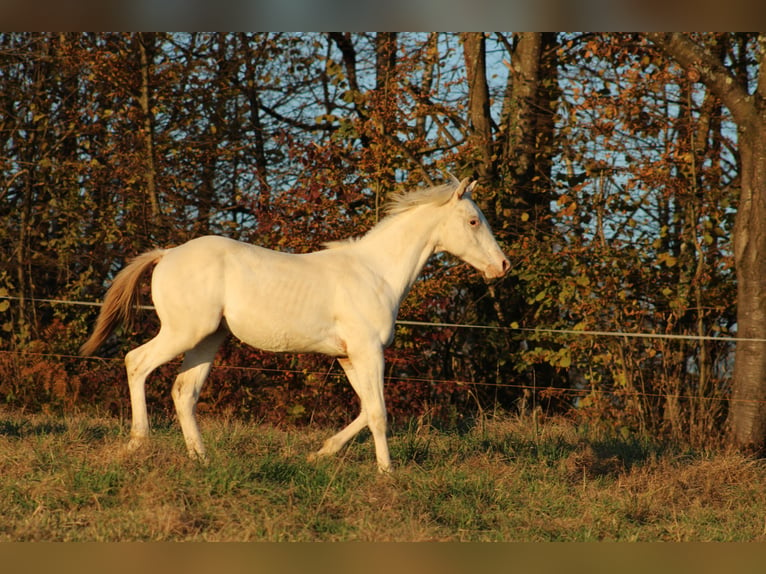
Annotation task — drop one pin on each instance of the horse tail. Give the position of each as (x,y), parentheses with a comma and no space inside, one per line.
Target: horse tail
(121,300)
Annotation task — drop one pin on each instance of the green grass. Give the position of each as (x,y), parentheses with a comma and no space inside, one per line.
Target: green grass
(69,479)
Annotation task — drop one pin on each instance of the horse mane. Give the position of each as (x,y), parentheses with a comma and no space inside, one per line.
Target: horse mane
(436,195)
(335,243)
(399,203)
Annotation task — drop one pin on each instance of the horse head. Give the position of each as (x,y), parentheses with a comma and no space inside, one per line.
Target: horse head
(465,233)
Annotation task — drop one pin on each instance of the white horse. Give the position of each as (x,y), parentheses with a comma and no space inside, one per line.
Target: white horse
(341,301)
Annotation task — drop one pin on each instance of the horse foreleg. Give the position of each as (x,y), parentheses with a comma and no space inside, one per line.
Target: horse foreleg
(338,440)
(377,421)
(365,373)
(187,387)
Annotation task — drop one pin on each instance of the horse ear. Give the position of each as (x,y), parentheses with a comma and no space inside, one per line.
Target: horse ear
(464,187)
(452,177)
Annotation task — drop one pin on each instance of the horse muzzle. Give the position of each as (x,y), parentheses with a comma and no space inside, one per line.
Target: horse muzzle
(497,270)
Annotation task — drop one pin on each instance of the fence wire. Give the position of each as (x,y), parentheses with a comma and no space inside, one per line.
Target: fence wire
(580,332)
(425,324)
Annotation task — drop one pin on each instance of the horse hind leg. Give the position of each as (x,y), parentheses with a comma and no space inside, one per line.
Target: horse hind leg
(139,363)
(187,387)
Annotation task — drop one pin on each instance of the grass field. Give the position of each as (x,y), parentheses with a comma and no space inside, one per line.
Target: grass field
(68,479)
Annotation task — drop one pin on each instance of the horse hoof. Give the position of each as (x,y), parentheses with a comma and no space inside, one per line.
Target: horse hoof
(200,458)
(136,443)
(315,456)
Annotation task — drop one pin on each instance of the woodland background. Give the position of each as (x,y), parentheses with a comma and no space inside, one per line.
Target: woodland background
(610,174)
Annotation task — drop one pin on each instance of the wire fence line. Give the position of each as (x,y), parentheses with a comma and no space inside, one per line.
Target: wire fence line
(543,330)
(405,378)
(411,379)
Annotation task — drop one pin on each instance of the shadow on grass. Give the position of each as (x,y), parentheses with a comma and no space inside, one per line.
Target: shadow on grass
(558,444)
(21,428)
(583,455)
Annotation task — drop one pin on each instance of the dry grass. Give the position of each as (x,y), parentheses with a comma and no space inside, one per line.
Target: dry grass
(70,480)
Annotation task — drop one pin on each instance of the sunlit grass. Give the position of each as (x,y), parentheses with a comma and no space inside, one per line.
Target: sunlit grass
(70,479)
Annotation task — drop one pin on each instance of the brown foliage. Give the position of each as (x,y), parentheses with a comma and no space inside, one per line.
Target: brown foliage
(611,178)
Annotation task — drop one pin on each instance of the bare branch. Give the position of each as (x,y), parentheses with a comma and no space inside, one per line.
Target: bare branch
(693,57)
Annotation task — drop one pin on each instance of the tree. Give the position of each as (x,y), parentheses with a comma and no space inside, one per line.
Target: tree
(639,239)
(509,148)
(746,101)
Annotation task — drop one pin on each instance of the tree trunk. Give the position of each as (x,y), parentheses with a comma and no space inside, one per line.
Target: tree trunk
(385,60)
(259,137)
(527,128)
(521,102)
(747,413)
(146,51)
(474,54)
(384,102)
(747,410)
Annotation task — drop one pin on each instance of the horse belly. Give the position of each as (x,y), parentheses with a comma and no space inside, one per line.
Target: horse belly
(283,316)
(270,332)
(282,340)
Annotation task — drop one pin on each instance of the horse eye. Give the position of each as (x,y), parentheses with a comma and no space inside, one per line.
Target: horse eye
(473,222)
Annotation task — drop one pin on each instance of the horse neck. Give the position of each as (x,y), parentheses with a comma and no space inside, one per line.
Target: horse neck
(400,246)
